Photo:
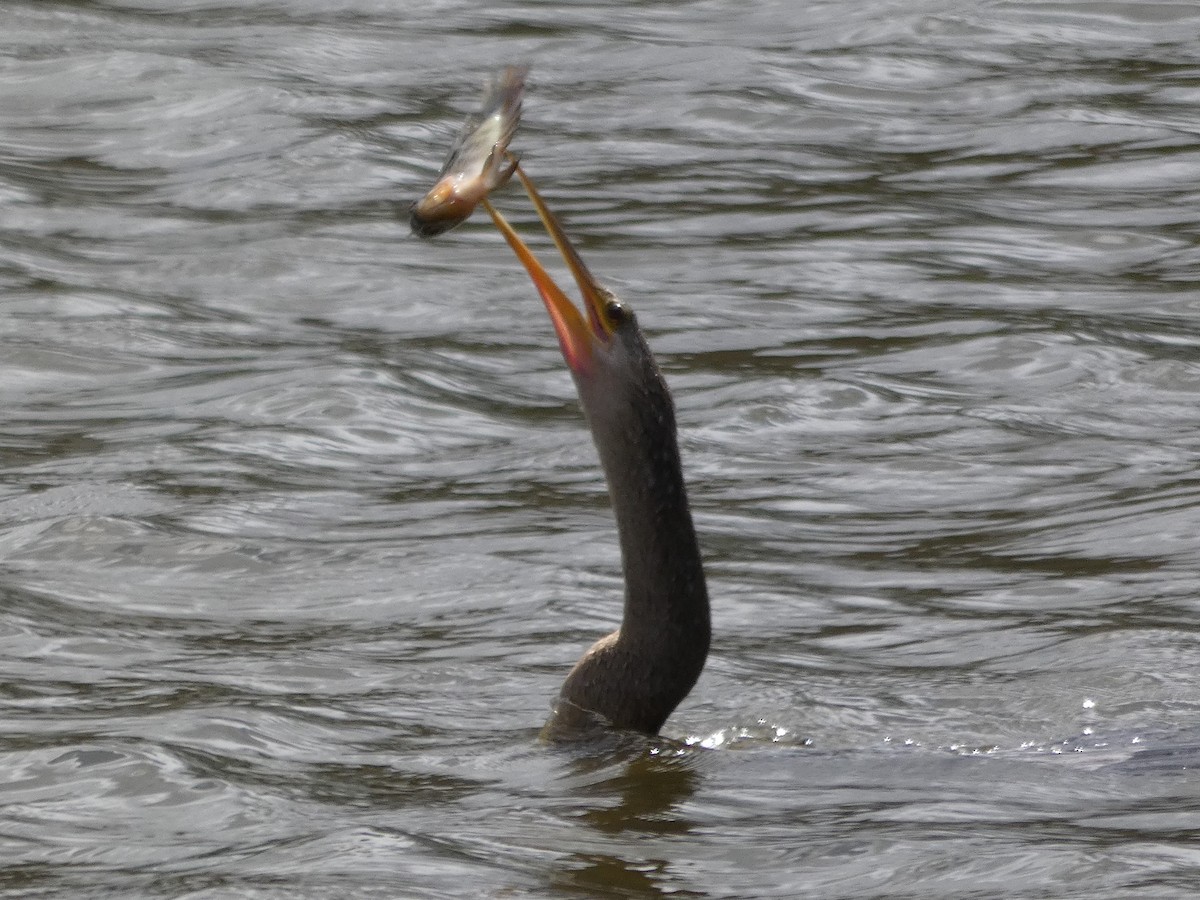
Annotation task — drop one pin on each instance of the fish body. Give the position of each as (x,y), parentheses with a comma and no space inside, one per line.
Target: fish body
(479,162)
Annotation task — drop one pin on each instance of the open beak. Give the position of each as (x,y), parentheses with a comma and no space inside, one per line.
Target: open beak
(577,336)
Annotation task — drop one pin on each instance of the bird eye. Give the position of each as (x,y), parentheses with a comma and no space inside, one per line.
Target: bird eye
(615,312)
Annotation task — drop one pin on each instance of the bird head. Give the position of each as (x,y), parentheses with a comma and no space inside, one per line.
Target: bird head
(602,345)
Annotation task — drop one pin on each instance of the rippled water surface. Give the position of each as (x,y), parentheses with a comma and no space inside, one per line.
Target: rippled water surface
(300,524)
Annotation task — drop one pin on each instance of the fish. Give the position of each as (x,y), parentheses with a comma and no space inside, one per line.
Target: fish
(479,161)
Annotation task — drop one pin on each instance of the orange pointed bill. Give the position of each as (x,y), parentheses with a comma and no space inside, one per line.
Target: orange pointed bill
(576,336)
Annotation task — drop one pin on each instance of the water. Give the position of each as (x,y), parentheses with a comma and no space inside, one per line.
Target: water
(300,527)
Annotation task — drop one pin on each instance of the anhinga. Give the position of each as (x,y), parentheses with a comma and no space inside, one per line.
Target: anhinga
(633,678)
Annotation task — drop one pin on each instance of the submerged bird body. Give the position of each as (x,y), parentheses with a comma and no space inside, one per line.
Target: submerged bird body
(633,678)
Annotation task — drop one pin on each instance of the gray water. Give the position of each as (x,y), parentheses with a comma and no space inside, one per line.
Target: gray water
(300,525)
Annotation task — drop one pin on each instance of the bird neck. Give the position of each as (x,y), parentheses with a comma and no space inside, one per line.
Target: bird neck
(633,678)
(666,599)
